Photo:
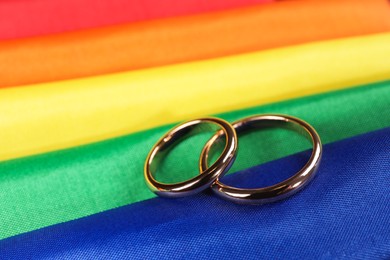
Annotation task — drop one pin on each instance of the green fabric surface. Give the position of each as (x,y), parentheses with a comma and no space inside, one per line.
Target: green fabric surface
(46,189)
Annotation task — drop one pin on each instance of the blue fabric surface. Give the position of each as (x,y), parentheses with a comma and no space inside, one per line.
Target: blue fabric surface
(343,213)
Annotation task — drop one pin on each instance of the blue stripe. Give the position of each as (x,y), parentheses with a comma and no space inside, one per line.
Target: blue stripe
(343,213)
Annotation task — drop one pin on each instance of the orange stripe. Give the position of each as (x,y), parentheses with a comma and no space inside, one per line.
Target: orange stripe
(179,39)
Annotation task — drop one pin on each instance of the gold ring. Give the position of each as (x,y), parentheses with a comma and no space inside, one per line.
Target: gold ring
(208,176)
(277,191)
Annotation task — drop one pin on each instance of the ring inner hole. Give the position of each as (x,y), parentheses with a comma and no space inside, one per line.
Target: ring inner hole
(178,158)
(265,141)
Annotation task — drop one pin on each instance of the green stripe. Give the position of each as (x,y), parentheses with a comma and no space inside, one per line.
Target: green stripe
(43,190)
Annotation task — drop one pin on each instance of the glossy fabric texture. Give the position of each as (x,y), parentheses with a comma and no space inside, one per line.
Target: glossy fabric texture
(59,115)
(56,187)
(181,39)
(341,214)
(24,18)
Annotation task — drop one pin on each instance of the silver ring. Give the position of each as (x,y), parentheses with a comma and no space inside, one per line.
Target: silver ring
(208,176)
(280,190)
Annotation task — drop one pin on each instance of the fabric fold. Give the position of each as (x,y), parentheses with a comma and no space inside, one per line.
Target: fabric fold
(46,117)
(47,189)
(182,39)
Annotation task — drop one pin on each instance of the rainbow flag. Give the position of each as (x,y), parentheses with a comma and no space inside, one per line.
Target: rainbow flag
(88,87)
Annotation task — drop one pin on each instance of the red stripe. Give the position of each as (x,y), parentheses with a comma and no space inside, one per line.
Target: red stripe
(23,18)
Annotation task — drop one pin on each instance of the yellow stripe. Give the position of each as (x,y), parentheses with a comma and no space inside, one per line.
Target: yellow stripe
(51,116)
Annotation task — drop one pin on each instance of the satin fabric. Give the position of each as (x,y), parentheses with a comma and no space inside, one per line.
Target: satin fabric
(342,213)
(179,39)
(47,117)
(24,18)
(47,189)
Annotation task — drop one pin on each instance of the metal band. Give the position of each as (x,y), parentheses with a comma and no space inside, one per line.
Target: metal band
(277,191)
(208,176)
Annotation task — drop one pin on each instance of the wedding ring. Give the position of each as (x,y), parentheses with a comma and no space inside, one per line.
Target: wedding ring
(277,191)
(209,175)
